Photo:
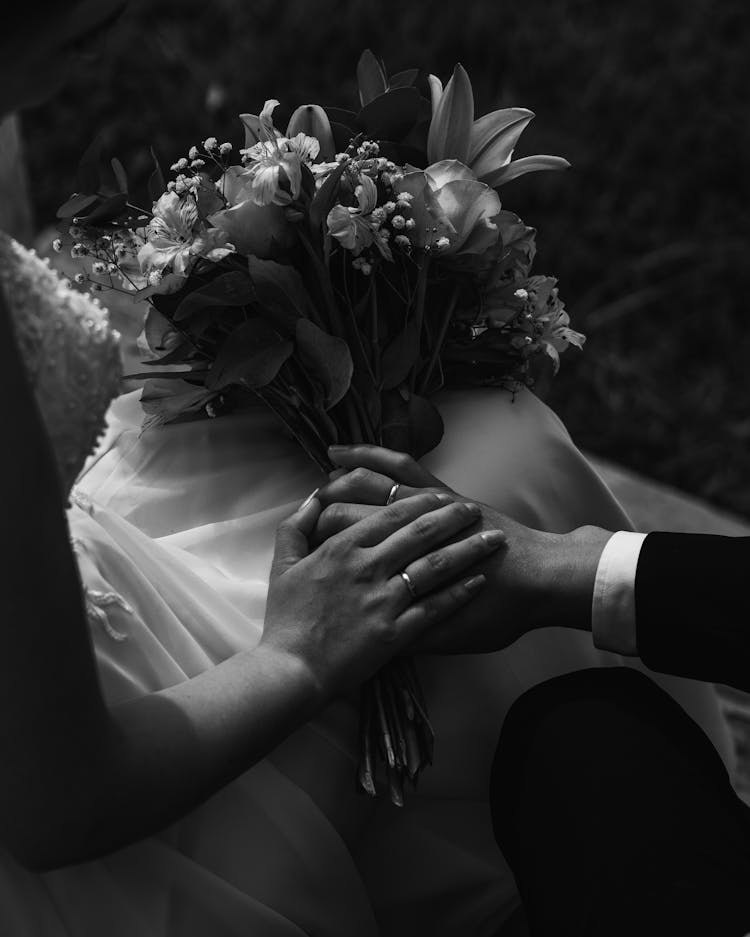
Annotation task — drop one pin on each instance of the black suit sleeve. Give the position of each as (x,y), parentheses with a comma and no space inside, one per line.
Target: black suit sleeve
(692,598)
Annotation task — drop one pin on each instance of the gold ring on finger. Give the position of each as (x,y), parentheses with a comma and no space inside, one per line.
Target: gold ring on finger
(409,585)
(392,493)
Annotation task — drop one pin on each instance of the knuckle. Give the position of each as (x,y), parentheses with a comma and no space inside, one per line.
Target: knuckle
(404,461)
(388,631)
(438,562)
(358,476)
(423,525)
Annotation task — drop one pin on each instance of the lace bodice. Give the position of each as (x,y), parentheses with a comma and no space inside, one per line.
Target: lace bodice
(70,351)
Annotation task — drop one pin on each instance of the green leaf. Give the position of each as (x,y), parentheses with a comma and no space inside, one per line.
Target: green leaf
(390,116)
(400,356)
(279,293)
(251,355)
(342,116)
(230,289)
(327,358)
(108,209)
(178,355)
(411,425)
(426,425)
(325,197)
(76,205)
(371,77)
(165,400)
(157,184)
(404,79)
(169,372)
(120,175)
(89,167)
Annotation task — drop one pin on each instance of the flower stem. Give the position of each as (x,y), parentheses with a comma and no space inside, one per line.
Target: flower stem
(419,313)
(437,348)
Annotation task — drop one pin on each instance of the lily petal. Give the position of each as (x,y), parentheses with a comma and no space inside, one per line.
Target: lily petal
(520,167)
(251,123)
(266,118)
(494,137)
(450,128)
(469,205)
(436,91)
(367,194)
(448,170)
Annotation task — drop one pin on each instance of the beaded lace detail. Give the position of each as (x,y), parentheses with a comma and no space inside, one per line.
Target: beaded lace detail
(70,351)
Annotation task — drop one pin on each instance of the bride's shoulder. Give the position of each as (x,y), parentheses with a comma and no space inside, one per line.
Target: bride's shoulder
(70,352)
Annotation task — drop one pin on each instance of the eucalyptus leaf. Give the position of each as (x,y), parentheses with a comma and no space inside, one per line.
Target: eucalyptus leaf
(327,358)
(251,355)
(230,289)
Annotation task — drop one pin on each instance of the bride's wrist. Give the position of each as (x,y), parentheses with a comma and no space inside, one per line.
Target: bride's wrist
(296,674)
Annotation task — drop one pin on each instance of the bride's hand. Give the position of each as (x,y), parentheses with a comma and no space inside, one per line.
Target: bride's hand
(537,579)
(345,608)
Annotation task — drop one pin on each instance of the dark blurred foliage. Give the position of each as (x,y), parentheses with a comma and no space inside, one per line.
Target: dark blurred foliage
(648,233)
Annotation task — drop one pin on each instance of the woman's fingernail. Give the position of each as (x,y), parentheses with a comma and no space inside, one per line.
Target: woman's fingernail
(475,583)
(494,538)
(443,496)
(307,500)
(474,508)
(333,449)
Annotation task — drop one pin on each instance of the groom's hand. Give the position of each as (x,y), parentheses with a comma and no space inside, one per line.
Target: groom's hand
(537,580)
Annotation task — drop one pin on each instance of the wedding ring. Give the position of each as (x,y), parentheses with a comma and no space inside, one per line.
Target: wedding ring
(409,585)
(392,493)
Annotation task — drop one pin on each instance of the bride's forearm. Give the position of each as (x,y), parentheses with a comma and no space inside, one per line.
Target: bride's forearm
(159,756)
(78,779)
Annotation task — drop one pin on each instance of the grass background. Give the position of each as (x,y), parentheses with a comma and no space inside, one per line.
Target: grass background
(649,233)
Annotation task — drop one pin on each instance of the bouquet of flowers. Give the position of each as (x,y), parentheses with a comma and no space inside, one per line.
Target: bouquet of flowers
(342,271)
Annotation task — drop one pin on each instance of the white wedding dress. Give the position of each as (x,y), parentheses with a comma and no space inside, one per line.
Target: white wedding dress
(174,530)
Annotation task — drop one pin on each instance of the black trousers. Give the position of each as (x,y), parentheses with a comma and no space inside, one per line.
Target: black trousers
(616,813)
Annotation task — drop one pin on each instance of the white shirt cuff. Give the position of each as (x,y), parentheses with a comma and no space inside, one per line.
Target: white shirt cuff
(613,603)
